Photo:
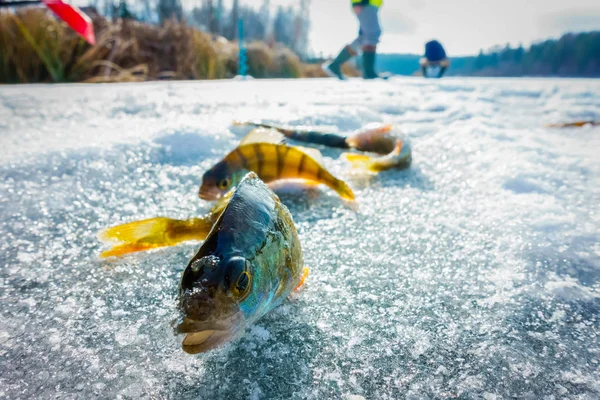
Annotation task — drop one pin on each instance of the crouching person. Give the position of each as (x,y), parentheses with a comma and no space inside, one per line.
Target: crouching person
(435,59)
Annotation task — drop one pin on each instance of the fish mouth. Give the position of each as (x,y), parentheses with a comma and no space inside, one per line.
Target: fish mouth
(209,194)
(203,341)
(201,337)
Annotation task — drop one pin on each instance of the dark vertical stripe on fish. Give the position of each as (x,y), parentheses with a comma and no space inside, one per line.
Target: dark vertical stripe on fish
(281,159)
(301,164)
(241,156)
(259,158)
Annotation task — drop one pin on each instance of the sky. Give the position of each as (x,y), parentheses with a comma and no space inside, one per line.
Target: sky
(462,26)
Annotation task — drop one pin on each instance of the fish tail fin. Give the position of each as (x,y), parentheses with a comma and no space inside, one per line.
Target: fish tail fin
(343,190)
(148,230)
(152,233)
(359,161)
(122,249)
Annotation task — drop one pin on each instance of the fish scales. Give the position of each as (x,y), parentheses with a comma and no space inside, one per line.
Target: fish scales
(263,152)
(249,263)
(272,162)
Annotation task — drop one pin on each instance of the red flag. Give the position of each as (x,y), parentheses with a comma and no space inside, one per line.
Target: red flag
(74,17)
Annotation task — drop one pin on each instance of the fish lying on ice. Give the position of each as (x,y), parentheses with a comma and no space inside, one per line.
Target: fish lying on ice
(393,152)
(575,124)
(250,262)
(374,137)
(295,163)
(262,151)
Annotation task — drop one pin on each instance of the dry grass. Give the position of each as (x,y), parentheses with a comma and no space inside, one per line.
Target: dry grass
(36,47)
(267,62)
(315,71)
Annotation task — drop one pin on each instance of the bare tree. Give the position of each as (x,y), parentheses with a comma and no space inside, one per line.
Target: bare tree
(219,17)
(169,9)
(235,15)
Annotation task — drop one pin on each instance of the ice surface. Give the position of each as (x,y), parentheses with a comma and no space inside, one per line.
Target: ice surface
(475,274)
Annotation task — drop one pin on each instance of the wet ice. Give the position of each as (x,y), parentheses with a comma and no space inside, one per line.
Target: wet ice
(473,274)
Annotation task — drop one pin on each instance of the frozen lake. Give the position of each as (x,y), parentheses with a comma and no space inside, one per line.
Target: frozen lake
(474,274)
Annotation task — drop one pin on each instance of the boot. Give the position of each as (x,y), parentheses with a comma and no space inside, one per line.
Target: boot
(369,64)
(334,68)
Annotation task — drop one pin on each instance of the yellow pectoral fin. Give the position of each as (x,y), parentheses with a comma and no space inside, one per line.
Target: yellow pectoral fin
(352,157)
(359,161)
(305,272)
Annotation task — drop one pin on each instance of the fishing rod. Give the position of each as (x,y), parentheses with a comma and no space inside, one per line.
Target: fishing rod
(18,3)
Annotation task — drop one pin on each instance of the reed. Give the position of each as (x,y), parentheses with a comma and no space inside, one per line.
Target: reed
(37,47)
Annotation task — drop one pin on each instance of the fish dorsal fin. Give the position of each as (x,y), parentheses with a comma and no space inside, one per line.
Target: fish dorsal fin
(313,153)
(262,135)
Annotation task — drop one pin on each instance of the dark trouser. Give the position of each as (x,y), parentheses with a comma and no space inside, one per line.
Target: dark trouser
(368,37)
(370,31)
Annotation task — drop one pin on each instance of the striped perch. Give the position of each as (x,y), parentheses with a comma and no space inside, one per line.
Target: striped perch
(262,151)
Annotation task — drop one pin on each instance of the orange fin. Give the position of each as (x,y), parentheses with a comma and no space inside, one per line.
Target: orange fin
(157,232)
(305,272)
(148,230)
(398,148)
(123,249)
(353,157)
(359,161)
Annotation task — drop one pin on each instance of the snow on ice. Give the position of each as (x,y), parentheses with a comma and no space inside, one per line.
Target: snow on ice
(474,274)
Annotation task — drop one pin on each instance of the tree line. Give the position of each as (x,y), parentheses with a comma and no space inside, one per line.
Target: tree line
(286,25)
(573,55)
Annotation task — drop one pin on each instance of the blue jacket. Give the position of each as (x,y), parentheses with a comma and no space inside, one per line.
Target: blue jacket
(434,51)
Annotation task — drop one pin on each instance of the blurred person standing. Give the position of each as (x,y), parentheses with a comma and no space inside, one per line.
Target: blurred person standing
(368,36)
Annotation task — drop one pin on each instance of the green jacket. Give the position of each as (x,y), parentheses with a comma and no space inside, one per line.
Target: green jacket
(376,3)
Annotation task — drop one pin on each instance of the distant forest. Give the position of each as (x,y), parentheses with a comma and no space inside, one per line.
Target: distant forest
(573,55)
(286,25)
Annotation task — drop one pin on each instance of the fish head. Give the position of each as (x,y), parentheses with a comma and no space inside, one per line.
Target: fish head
(211,299)
(216,182)
(219,180)
(374,137)
(230,283)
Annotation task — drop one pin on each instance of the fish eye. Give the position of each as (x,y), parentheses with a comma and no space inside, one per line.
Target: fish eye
(241,286)
(243,282)
(224,183)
